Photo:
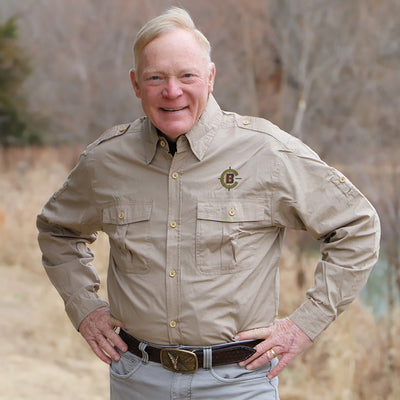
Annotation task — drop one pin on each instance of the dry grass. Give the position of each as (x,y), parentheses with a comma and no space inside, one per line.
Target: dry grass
(44,358)
(351,360)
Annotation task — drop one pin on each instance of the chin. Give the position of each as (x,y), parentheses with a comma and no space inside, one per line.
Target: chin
(175,131)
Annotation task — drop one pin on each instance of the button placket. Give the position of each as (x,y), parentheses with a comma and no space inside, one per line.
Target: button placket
(172,259)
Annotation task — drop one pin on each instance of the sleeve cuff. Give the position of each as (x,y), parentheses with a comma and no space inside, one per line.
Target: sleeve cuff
(81,305)
(311,319)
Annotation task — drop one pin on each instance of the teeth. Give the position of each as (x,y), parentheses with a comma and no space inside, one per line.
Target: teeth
(173,109)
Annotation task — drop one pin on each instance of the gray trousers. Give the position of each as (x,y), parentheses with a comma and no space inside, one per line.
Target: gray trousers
(134,378)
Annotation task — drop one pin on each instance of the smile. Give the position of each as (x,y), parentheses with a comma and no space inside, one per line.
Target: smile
(173,109)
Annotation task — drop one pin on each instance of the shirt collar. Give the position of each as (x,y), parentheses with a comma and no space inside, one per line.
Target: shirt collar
(151,140)
(199,137)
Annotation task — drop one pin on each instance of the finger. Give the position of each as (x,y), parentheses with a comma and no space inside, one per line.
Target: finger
(99,352)
(272,353)
(259,352)
(114,337)
(258,333)
(117,341)
(262,348)
(259,361)
(116,323)
(109,349)
(282,364)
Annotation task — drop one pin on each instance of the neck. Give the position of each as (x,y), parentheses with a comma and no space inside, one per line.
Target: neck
(171,142)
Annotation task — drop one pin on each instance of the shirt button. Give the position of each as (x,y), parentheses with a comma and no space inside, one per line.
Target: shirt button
(172,324)
(175,175)
(342,179)
(121,215)
(246,122)
(122,129)
(162,143)
(232,212)
(172,224)
(172,273)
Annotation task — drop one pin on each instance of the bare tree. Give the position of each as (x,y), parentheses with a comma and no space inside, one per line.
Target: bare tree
(332,55)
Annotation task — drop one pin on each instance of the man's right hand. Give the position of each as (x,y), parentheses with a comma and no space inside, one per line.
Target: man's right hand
(98,330)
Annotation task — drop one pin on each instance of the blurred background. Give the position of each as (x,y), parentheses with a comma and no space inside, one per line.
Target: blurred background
(326,71)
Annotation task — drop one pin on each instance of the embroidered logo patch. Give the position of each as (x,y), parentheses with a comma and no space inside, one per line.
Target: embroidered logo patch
(229,178)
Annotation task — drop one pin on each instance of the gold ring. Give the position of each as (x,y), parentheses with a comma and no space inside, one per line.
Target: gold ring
(273,352)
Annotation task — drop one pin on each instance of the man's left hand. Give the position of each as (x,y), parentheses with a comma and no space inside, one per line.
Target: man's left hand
(284,338)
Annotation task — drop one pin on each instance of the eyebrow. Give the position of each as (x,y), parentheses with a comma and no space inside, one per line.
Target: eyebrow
(181,71)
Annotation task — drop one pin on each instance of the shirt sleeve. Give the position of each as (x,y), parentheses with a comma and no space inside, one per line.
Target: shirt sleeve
(67,224)
(312,196)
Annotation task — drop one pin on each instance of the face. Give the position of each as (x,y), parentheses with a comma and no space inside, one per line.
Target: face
(173,81)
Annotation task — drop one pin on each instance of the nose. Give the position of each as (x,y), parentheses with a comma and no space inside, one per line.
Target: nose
(172,88)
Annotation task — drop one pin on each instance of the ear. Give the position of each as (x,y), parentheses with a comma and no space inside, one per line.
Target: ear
(211,78)
(135,83)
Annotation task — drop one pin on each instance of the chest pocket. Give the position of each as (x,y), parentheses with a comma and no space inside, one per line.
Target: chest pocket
(127,225)
(228,234)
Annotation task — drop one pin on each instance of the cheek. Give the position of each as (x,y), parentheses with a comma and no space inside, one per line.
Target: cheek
(149,96)
(202,99)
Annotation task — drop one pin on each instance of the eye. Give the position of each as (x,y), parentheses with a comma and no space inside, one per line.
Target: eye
(188,77)
(153,78)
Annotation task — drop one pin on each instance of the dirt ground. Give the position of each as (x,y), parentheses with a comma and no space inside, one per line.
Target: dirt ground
(42,356)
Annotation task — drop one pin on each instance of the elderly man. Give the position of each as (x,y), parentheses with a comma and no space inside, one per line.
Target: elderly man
(195,202)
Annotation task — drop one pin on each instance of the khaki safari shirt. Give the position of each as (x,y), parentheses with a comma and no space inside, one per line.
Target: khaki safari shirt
(196,237)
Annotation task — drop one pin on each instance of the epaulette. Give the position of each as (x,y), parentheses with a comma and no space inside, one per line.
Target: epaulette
(264,126)
(288,142)
(111,133)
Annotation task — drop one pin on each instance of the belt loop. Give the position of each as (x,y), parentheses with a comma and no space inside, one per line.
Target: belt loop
(207,357)
(145,355)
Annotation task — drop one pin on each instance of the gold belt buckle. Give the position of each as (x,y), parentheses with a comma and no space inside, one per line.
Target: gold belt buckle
(179,360)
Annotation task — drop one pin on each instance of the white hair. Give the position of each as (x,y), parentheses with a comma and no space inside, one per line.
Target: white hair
(173,18)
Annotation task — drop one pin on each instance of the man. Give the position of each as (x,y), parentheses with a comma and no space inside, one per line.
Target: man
(195,202)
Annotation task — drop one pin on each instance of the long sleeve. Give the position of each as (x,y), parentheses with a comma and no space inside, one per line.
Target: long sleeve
(68,223)
(319,199)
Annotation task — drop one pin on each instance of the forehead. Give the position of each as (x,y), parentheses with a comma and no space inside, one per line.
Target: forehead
(175,48)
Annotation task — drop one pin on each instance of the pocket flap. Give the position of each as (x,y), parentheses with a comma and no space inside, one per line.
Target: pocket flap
(232,210)
(127,213)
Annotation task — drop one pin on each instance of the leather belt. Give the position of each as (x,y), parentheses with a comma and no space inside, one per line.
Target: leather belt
(187,360)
